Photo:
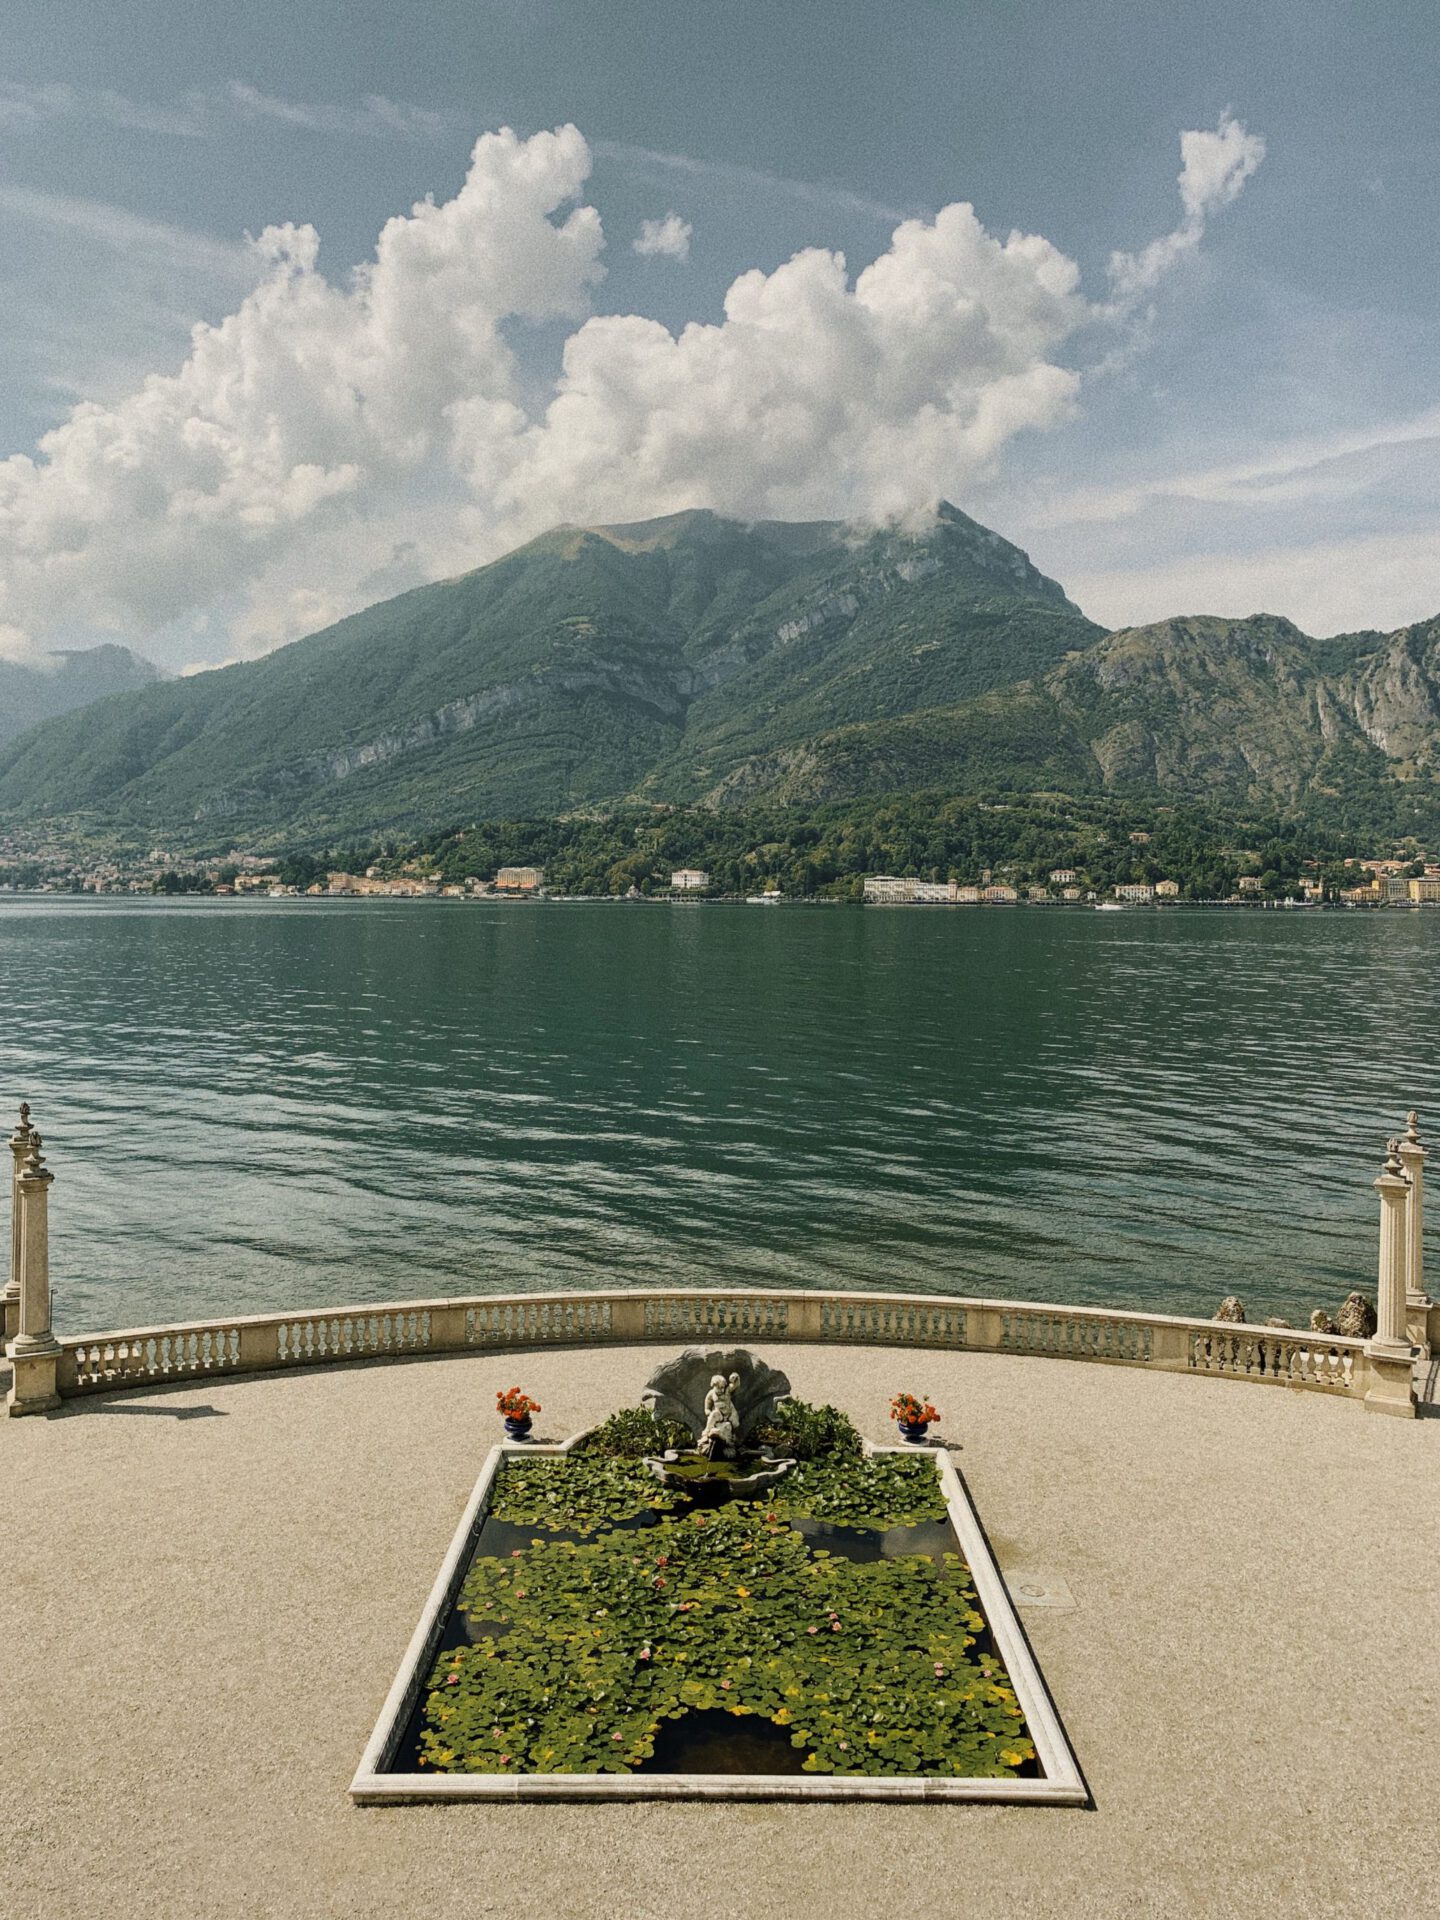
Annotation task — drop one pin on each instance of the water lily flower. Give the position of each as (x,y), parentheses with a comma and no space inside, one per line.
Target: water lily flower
(726,1685)
(812,1629)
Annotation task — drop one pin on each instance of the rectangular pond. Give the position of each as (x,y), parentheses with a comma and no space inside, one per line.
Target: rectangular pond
(594,1634)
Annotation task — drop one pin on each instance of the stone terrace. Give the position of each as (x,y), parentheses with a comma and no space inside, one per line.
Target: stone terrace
(207,1592)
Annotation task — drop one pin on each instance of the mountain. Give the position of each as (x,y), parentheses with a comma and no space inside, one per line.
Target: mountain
(1247,711)
(595,664)
(698,660)
(65,681)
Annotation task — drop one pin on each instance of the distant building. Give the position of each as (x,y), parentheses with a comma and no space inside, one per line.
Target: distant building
(1136,891)
(935,892)
(519,879)
(999,895)
(884,888)
(1395,890)
(1037,893)
(1249,883)
(1167,889)
(1139,839)
(1425,890)
(1070,893)
(968,896)
(1063,876)
(689,880)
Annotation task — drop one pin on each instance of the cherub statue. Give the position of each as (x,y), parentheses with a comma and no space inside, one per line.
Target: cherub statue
(721,1432)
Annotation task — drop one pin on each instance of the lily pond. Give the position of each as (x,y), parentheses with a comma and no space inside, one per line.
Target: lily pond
(606,1623)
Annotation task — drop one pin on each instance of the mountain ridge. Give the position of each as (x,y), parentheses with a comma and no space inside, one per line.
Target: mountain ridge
(699,660)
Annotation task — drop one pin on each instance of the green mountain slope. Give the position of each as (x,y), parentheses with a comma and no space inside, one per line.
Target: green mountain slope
(590,665)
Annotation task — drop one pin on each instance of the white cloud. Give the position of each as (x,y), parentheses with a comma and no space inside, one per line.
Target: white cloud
(23,107)
(669,237)
(375,116)
(814,395)
(1214,167)
(647,162)
(325,444)
(309,401)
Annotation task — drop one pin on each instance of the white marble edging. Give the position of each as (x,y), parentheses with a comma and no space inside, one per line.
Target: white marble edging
(1062,1784)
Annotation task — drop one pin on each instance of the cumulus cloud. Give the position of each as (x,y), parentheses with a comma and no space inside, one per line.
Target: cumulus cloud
(669,237)
(1213,169)
(310,400)
(326,443)
(815,394)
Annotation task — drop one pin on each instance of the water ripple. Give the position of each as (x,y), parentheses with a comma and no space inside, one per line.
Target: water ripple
(252,1106)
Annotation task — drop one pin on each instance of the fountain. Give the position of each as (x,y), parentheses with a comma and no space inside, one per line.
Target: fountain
(722,1396)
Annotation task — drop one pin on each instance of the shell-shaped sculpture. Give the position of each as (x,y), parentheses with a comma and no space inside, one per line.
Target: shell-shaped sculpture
(677,1390)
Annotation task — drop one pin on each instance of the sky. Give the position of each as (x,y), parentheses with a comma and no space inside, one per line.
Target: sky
(302,304)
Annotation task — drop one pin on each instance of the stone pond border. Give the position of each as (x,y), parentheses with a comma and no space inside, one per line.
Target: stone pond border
(1061,1785)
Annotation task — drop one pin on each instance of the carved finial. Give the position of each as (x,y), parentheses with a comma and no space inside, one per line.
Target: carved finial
(1393,1163)
(25,1115)
(1412,1126)
(35,1167)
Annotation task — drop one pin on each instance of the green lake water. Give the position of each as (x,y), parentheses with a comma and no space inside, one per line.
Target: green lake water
(250,1105)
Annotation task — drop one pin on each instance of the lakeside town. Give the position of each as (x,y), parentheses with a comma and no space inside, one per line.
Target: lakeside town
(1375,882)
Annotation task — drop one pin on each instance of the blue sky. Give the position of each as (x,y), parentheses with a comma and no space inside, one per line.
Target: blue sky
(1245,418)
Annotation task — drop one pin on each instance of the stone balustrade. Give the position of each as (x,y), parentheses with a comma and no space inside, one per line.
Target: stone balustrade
(46,1369)
(267,1343)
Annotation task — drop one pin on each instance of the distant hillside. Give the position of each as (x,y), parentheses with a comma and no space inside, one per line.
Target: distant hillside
(29,695)
(1248,711)
(650,660)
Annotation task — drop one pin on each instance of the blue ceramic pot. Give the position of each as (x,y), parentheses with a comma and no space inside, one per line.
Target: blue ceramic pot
(517,1429)
(913,1430)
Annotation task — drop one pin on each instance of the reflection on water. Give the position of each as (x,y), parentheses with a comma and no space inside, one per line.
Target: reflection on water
(255,1105)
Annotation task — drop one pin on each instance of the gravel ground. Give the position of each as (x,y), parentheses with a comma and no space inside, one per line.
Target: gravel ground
(206,1594)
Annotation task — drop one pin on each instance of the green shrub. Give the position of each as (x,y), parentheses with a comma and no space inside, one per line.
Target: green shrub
(804,1432)
(634,1432)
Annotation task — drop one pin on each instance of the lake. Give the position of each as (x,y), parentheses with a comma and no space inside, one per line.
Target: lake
(251,1105)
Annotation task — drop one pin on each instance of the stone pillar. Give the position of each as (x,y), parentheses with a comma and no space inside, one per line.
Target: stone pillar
(34,1352)
(10,1299)
(1417,1301)
(1389,1354)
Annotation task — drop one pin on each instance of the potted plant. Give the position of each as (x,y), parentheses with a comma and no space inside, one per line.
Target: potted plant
(516,1407)
(913,1416)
